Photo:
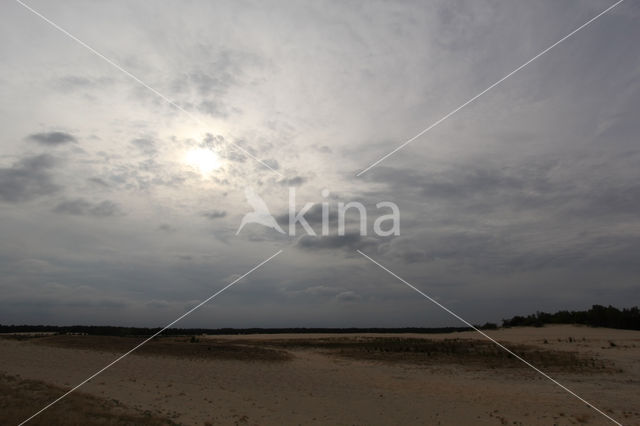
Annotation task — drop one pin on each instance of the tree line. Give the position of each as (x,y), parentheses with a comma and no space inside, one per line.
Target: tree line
(142,331)
(597,316)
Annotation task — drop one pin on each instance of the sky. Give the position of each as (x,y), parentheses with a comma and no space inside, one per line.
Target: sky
(120,208)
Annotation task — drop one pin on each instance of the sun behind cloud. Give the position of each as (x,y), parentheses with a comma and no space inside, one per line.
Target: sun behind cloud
(203,159)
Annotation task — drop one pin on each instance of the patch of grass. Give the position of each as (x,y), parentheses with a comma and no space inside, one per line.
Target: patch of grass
(470,352)
(20,398)
(453,351)
(183,347)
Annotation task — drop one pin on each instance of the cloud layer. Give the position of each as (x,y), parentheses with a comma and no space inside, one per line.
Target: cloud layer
(527,199)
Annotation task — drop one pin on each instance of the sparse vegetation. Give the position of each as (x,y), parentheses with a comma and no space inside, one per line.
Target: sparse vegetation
(20,398)
(170,346)
(388,349)
(432,351)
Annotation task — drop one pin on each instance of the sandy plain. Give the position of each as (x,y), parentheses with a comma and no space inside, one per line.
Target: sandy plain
(342,379)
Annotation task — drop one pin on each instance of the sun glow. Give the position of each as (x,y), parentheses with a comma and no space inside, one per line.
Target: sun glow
(203,159)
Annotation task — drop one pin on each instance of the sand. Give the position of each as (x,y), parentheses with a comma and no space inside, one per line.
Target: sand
(315,387)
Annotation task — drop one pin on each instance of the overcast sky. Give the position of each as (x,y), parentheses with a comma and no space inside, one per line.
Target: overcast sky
(527,199)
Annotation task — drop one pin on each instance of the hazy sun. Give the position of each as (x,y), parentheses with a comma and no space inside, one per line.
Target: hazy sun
(203,159)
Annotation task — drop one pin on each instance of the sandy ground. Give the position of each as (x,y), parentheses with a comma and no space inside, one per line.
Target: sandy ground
(315,388)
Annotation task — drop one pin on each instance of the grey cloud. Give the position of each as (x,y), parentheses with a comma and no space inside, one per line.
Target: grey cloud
(28,179)
(536,186)
(321,290)
(325,293)
(214,214)
(213,141)
(222,70)
(145,145)
(165,227)
(466,184)
(215,82)
(157,304)
(314,216)
(294,181)
(82,207)
(349,241)
(348,296)
(104,209)
(98,181)
(272,163)
(412,255)
(324,149)
(464,181)
(235,156)
(211,84)
(52,138)
(74,82)
(232,151)
(607,200)
(55,301)
(213,108)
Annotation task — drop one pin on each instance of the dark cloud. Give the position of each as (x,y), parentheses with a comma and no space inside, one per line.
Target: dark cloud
(28,179)
(214,214)
(82,207)
(52,138)
(468,248)
(533,187)
(466,181)
(294,181)
(607,200)
(349,241)
(98,181)
(314,217)
(211,84)
(165,227)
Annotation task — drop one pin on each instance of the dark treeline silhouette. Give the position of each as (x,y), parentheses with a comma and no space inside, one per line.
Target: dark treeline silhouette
(138,331)
(597,316)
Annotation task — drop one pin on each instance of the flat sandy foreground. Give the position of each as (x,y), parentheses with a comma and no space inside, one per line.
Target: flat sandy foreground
(447,379)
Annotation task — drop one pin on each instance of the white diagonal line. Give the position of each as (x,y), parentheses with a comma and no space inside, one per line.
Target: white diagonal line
(139,81)
(488,88)
(151,337)
(500,345)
